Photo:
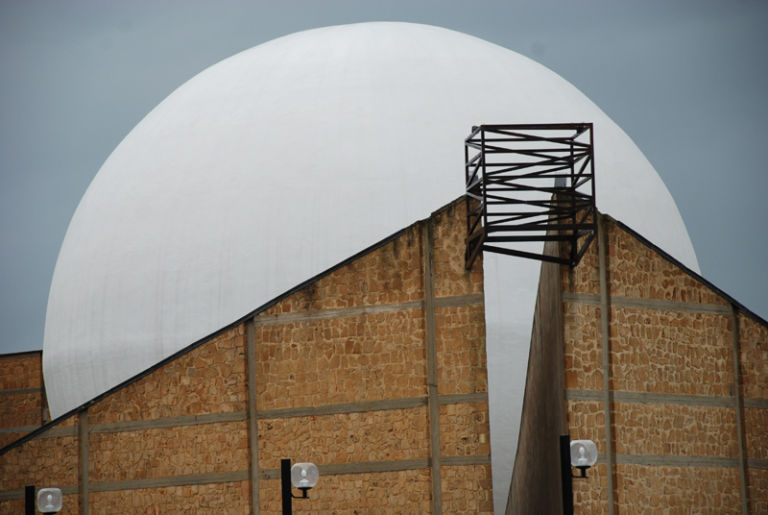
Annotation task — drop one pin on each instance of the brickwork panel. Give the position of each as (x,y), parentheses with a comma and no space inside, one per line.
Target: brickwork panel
(591,495)
(464,429)
(635,270)
(670,429)
(753,343)
(13,506)
(461,358)
(671,352)
(467,489)
(388,275)
(21,372)
(585,277)
(42,461)
(8,438)
(209,379)
(407,491)
(229,498)
(677,490)
(586,421)
(70,505)
(170,451)
(583,350)
(21,409)
(448,265)
(756,432)
(757,482)
(352,359)
(401,434)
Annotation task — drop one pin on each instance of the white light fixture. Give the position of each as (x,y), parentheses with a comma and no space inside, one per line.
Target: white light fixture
(583,455)
(49,500)
(304,476)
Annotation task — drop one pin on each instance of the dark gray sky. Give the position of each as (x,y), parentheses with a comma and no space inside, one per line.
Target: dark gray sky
(687,80)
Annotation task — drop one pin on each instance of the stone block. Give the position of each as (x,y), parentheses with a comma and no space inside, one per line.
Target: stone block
(42,461)
(21,371)
(340,360)
(169,451)
(464,429)
(461,357)
(671,352)
(583,347)
(636,270)
(399,434)
(756,432)
(21,409)
(675,430)
(406,491)
(214,498)
(467,489)
(679,490)
(753,341)
(586,421)
(209,379)
(450,276)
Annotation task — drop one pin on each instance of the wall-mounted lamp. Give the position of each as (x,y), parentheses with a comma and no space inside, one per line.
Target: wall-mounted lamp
(303,476)
(49,500)
(581,454)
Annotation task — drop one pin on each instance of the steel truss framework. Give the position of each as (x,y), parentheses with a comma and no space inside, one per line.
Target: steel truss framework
(528,184)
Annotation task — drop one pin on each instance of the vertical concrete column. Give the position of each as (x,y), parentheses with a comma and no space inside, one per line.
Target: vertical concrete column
(434,406)
(83,436)
(253,429)
(739,409)
(605,303)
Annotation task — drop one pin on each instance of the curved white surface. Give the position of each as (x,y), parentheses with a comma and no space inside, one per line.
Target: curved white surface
(283,160)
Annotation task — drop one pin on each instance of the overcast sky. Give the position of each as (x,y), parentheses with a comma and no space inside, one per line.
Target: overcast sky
(687,80)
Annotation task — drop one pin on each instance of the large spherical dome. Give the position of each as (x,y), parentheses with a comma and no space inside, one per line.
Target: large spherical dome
(281,161)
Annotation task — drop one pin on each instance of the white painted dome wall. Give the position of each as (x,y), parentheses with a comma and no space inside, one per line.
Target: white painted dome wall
(283,160)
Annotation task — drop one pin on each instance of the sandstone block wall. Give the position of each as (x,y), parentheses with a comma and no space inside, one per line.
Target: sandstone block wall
(375,371)
(681,407)
(22,404)
(666,374)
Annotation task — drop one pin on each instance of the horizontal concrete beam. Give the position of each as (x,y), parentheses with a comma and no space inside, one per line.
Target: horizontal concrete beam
(188,420)
(460,461)
(651,398)
(238,416)
(21,391)
(461,398)
(21,429)
(192,479)
(352,407)
(458,301)
(675,461)
(357,407)
(657,304)
(8,495)
(756,403)
(58,432)
(373,309)
(384,466)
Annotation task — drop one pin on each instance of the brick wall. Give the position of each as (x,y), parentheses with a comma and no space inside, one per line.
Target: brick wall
(669,370)
(21,395)
(375,371)
(679,403)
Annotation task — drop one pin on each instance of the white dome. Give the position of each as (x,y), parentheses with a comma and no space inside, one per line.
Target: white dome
(281,161)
